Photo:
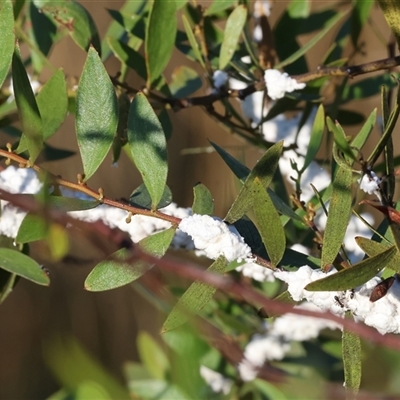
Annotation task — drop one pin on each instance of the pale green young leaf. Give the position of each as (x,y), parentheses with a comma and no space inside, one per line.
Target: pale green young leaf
(233,30)
(357,275)
(194,299)
(148,146)
(192,41)
(20,264)
(268,223)
(152,356)
(7,38)
(115,271)
(28,110)
(161,24)
(338,217)
(75,18)
(96,113)
(203,202)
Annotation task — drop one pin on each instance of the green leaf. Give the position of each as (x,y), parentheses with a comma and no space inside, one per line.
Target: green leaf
(264,171)
(75,18)
(74,366)
(268,223)
(338,217)
(351,354)
(365,131)
(7,38)
(140,197)
(391,11)
(115,272)
(194,299)
(128,56)
(240,170)
(219,5)
(42,31)
(116,30)
(96,113)
(148,146)
(233,30)
(357,275)
(340,140)
(312,42)
(203,203)
(185,81)
(372,248)
(20,264)
(28,110)
(161,24)
(52,101)
(316,137)
(359,16)
(35,227)
(192,41)
(152,356)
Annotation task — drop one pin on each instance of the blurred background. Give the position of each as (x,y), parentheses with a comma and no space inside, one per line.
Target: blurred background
(107,323)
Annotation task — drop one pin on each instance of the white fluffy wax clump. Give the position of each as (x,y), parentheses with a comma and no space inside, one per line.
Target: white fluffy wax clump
(275,342)
(220,78)
(215,238)
(383,315)
(279,83)
(370,183)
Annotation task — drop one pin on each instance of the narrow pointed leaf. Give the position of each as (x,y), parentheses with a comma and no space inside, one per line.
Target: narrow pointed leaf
(268,223)
(338,217)
(365,131)
(340,138)
(115,272)
(28,110)
(233,30)
(128,56)
(192,41)
(359,16)
(312,42)
(20,264)
(264,171)
(96,113)
(194,299)
(203,203)
(372,248)
(351,354)
(75,18)
(7,38)
(355,276)
(161,24)
(316,137)
(148,146)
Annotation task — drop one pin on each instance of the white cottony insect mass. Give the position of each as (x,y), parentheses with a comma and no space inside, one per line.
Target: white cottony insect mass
(215,237)
(279,83)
